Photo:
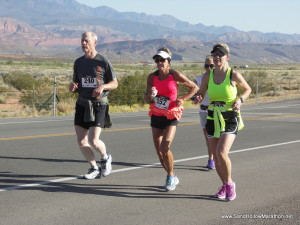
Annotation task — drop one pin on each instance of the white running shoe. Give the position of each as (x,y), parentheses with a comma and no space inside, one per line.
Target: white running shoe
(105,165)
(171,183)
(92,174)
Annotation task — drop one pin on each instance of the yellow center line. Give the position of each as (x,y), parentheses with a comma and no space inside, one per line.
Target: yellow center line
(125,129)
(129,129)
(36,136)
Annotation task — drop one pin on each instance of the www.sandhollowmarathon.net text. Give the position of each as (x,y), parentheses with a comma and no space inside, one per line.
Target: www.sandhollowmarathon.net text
(256,216)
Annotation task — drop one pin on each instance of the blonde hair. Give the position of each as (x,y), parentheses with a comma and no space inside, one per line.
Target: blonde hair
(209,58)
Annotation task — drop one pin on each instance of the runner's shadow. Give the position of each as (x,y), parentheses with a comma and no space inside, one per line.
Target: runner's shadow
(127,164)
(93,187)
(196,168)
(43,159)
(121,191)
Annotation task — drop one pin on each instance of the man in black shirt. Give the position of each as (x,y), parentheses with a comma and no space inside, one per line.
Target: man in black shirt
(93,78)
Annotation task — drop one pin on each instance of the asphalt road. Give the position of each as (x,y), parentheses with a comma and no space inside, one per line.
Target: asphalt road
(41,168)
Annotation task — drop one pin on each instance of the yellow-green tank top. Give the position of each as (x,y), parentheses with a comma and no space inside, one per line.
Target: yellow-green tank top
(224,92)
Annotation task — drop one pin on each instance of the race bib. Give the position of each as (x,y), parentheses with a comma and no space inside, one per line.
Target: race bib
(161,102)
(89,82)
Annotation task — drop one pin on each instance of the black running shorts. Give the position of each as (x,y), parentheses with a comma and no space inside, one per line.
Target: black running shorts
(99,116)
(231,127)
(162,122)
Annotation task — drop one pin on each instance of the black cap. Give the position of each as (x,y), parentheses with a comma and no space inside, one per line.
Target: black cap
(219,48)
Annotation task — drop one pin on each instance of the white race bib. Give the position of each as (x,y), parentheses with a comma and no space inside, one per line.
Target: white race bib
(89,82)
(161,102)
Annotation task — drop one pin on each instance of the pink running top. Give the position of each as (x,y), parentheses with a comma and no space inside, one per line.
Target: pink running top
(167,88)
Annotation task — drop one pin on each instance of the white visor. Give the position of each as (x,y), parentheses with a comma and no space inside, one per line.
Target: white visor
(163,54)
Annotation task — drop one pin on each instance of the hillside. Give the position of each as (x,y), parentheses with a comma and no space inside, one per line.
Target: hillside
(53,28)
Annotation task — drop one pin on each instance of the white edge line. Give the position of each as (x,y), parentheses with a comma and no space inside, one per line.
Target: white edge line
(140,167)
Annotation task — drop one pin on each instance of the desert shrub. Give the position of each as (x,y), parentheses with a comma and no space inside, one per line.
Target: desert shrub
(285,74)
(39,96)
(19,80)
(259,78)
(131,89)
(65,106)
(2,99)
(4,88)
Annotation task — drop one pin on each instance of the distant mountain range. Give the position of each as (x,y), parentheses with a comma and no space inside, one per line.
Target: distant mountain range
(54,28)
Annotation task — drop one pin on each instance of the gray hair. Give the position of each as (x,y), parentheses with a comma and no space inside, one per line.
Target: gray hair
(93,35)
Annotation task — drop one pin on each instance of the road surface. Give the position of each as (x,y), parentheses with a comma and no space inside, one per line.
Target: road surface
(41,169)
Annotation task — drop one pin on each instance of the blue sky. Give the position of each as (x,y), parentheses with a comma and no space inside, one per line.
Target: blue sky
(261,15)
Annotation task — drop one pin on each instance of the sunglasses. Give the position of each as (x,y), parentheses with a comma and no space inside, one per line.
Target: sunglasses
(159,60)
(209,65)
(221,54)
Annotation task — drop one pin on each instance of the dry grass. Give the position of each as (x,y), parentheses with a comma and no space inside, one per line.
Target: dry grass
(16,110)
(67,108)
(283,74)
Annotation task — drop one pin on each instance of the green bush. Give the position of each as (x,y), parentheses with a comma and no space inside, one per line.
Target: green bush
(2,100)
(19,80)
(259,78)
(131,89)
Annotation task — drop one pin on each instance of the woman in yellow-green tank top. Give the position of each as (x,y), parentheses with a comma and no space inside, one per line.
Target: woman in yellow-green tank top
(223,120)
(222,97)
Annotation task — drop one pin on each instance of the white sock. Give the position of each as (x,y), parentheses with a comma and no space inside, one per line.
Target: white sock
(96,167)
